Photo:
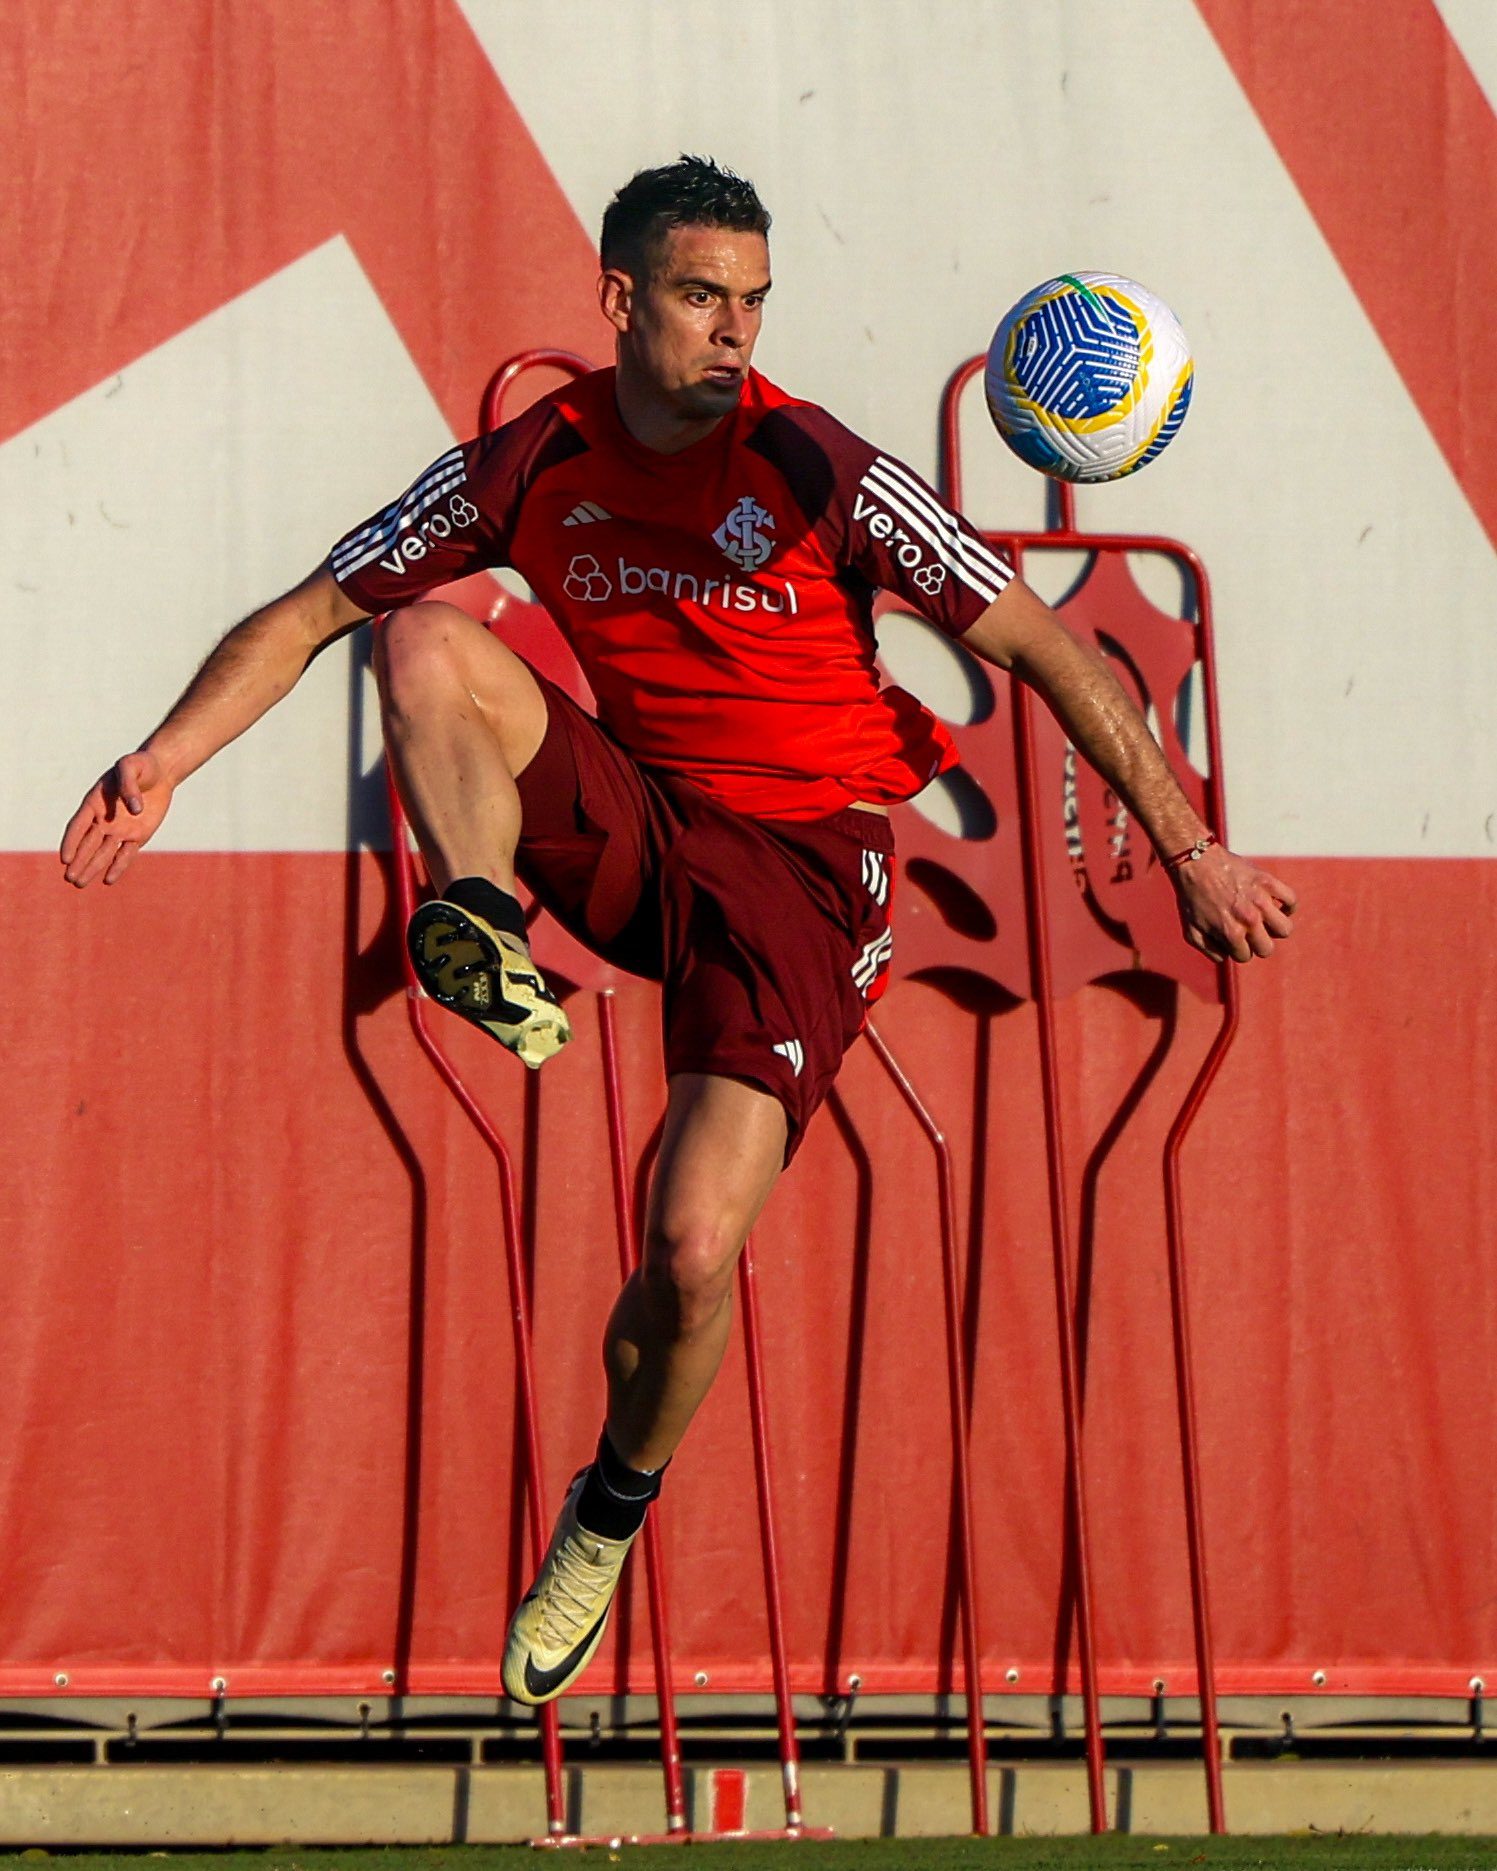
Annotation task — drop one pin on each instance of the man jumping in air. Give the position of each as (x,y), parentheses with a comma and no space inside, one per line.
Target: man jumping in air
(710,548)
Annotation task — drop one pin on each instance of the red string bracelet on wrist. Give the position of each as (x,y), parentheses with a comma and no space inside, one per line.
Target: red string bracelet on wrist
(1197,850)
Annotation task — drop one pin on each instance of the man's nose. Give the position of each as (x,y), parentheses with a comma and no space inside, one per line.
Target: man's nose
(732,327)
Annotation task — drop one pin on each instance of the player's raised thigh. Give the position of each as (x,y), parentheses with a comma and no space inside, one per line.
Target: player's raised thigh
(721,1152)
(432,656)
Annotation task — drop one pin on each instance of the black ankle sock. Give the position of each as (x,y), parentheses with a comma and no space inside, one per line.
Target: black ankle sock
(615,1497)
(497,907)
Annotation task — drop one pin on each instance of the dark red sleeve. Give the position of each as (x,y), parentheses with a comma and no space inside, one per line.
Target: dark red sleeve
(456,518)
(878,518)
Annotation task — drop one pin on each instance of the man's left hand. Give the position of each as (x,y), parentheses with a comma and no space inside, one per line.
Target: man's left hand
(1230,909)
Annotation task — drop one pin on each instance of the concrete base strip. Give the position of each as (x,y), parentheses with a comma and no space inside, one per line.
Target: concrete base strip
(198,1805)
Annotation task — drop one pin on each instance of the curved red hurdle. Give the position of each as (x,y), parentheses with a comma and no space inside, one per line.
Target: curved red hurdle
(416,1007)
(1065,535)
(961,1429)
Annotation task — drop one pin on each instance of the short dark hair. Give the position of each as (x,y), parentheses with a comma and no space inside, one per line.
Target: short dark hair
(690,192)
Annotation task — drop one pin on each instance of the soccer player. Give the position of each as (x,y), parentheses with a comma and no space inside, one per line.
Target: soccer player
(710,547)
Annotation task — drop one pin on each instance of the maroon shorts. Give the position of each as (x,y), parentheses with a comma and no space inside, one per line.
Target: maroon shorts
(770,938)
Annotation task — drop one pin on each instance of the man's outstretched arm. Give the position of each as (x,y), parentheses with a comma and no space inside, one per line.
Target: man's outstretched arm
(257,663)
(1228,906)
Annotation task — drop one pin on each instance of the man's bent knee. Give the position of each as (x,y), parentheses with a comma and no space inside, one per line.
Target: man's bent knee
(422,645)
(430,654)
(688,1273)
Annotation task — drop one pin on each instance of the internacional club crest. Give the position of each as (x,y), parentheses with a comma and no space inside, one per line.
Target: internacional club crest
(744,535)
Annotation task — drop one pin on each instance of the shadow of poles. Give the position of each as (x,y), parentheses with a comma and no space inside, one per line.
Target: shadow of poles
(1158,999)
(372,975)
(852,1397)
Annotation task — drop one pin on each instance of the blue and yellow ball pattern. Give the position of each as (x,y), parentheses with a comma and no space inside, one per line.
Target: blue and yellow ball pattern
(1089,377)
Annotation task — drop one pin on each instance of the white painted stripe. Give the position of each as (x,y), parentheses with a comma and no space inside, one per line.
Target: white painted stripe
(978,555)
(1473,26)
(442,465)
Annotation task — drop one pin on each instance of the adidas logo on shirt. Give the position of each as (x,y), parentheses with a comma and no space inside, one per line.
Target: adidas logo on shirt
(585,513)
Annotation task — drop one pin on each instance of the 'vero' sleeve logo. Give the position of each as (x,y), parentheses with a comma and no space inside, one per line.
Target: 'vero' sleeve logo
(428,514)
(905,522)
(743,536)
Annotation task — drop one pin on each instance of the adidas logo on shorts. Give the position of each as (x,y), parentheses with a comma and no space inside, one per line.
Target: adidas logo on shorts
(872,962)
(791,1049)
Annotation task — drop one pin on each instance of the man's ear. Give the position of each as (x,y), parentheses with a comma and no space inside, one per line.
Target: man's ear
(616,297)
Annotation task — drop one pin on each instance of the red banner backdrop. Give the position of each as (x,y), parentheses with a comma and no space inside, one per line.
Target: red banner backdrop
(259,1408)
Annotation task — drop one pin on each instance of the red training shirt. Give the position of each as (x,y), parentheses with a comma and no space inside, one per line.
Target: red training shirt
(719,600)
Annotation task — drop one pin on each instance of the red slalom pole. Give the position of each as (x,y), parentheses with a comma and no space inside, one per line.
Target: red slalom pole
(1195,1532)
(977,1740)
(1063,533)
(1195,1527)
(416,1008)
(1060,1234)
(623,1208)
(759,1425)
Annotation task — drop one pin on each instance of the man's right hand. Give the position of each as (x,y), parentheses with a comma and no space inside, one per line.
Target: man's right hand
(118,815)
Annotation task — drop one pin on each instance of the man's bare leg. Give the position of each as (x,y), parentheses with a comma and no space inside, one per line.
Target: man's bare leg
(723,1147)
(722,1150)
(463,718)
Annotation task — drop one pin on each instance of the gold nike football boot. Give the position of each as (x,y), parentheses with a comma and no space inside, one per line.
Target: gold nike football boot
(487,976)
(561,1619)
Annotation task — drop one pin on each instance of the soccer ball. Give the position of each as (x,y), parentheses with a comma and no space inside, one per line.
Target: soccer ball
(1089,377)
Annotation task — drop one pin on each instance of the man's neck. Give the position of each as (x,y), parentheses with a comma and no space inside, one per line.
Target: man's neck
(652,422)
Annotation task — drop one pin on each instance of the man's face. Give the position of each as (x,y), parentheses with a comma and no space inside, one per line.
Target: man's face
(689,330)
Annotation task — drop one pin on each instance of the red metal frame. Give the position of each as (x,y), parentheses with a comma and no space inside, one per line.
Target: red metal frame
(491,403)
(769,1547)
(1036,919)
(623,1210)
(1065,535)
(416,1007)
(961,1428)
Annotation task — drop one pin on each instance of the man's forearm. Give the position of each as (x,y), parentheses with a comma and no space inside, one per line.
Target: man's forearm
(1228,906)
(1104,724)
(257,663)
(1020,633)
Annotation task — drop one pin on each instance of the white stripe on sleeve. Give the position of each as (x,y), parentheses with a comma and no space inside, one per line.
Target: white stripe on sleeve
(972,561)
